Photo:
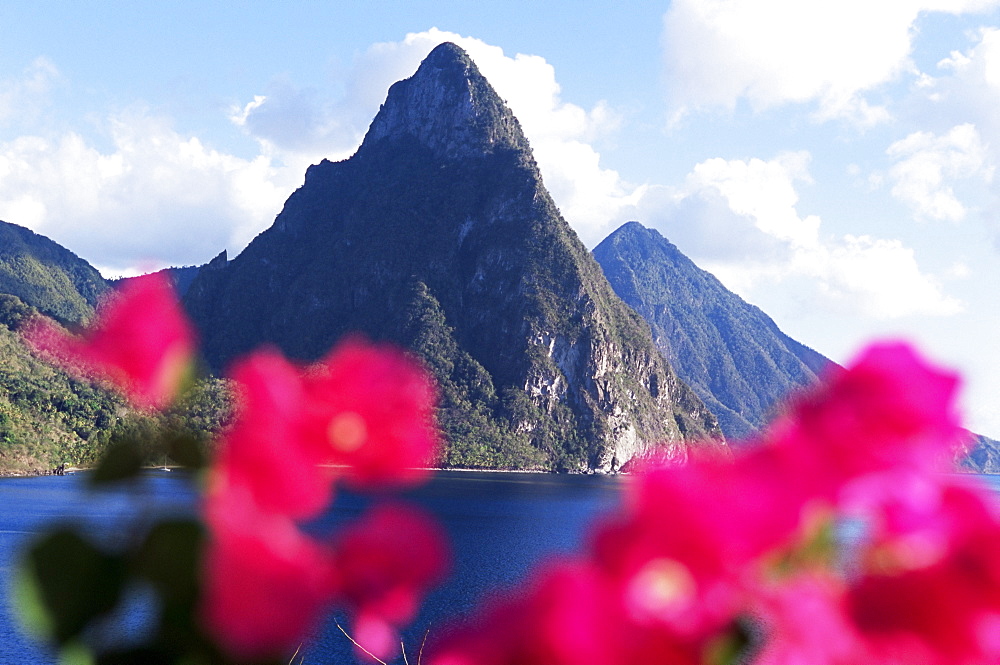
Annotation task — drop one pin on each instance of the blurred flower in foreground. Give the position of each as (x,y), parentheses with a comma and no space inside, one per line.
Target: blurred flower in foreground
(363,413)
(140,341)
(266,582)
(387,561)
(254,583)
(370,410)
(725,561)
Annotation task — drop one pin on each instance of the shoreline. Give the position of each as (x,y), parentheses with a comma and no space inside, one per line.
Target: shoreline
(71,470)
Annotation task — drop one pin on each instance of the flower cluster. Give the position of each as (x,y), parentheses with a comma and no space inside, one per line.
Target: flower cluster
(727,558)
(363,414)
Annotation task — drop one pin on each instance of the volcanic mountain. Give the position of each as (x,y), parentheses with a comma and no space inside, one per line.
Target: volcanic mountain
(439,235)
(730,352)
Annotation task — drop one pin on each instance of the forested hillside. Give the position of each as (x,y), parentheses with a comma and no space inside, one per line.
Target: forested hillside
(48,276)
(49,417)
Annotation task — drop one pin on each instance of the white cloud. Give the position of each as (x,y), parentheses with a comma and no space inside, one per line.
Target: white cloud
(156,198)
(22,99)
(738,219)
(965,93)
(968,86)
(143,194)
(773,52)
(926,166)
(299,126)
(762,191)
(881,274)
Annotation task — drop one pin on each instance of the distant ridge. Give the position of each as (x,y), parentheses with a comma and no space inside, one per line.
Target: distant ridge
(729,351)
(439,235)
(47,276)
(981,455)
(182,276)
(47,416)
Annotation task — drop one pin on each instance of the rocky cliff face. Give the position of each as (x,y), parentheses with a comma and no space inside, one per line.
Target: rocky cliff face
(438,234)
(729,351)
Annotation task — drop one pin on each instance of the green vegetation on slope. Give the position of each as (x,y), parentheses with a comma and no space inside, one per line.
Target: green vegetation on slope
(49,417)
(47,276)
(729,351)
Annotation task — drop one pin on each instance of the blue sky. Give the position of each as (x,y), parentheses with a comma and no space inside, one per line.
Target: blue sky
(833,163)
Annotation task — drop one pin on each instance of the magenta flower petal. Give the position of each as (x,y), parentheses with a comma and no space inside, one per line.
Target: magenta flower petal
(388,560)
(263,451)
(888,410)
(265,583)
(140,340)
(371,408)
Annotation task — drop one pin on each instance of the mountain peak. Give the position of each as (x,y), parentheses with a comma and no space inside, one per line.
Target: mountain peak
(47,276)
(448,54)
(449,106)
(439,235)
(730,352)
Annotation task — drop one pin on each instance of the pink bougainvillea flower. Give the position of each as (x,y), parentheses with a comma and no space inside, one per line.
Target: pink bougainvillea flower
(263,450)
(371,409)
(386,562)
(365,413)
(565,617)
(140,341)
(572,617)
(689,541)
(700,547)
(807,623)
(890,409)
(571,613)
(576,614)
(265,584)
(933,591)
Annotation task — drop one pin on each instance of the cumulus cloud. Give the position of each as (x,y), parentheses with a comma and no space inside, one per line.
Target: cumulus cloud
(959,105)
(155,198)
(774,52)
(140,193)
(762,191)
(300,126)
(926,165)
(738,219)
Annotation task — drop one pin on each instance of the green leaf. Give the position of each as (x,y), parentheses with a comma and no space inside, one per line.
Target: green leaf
(75,653)
(170,558)
(732,646)
(185,449)
(123,460)
(71,581)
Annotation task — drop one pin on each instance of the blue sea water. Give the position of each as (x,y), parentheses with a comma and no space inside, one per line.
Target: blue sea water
(30,505)
(501,525)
